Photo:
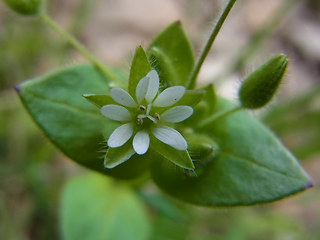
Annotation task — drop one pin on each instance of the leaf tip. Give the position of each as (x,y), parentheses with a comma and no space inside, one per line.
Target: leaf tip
(17,88)
(309,185)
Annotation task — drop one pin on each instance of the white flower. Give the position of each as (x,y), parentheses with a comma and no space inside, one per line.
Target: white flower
(140,117)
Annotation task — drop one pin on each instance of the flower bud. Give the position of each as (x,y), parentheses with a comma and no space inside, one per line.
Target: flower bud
(25,7)
(201,147)
(261,85)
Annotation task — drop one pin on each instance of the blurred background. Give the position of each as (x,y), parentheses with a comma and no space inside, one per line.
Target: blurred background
(32,171)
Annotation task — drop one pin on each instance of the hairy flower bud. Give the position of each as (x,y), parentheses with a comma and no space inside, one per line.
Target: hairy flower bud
(25,7)
(261,85)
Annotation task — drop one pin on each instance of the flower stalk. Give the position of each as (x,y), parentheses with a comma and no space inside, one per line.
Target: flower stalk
(196,69)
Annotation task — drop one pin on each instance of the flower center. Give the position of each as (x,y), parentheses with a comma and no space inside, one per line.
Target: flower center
(142,117)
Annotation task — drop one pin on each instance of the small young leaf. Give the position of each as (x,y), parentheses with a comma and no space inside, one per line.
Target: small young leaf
(25,7)
(173,45)
(94,207)
(251,167)
(140,66)
(74,125)
(261,85)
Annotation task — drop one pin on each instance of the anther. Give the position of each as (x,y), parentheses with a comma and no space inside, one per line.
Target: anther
(157,116)
(141,107)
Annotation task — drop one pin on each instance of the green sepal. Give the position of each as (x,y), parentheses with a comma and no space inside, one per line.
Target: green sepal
(25,7)
(261,85)
(116,156)
(179,158)
(99,100)
(140,66)
(174,48)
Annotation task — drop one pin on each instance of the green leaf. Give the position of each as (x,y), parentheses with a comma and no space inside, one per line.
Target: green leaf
(251,167)
(74,125)
(94,207)
(180,158)
(140,66)
(172,48)
(99,100)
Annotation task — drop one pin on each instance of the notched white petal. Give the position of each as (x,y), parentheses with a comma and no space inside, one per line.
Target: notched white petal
(169,96)
(153,86)
(120,135)
(171,137)
(142,89)
(177,114)
(122,97)
(115,112)
(141,142)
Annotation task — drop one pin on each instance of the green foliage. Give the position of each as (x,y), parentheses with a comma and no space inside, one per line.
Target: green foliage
(94,207)
(75,126)
(251,167)
(261,85)
(171,54)
(25,7)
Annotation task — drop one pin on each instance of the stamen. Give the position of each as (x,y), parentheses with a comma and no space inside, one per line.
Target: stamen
(157,116)
(141,107)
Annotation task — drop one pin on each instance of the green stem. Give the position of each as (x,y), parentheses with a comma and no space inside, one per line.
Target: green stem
(206,49)
(75,43)
(218,116)
(255,42)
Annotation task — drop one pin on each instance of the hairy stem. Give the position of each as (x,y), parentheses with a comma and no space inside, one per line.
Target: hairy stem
(196,69)
(81,48)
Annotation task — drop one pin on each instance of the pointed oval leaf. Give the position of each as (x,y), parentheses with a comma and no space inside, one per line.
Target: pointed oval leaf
(251,167)
(93,207)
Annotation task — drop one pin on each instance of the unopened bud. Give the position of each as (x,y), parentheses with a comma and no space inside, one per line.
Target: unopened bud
(261,85)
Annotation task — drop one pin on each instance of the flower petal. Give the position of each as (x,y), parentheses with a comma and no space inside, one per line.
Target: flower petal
(142,89)
(169,96)
(122,97)
(171,137)
(141,142)
(148,87)
(115,112)
(153,87)
(120,135)
(177,114)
